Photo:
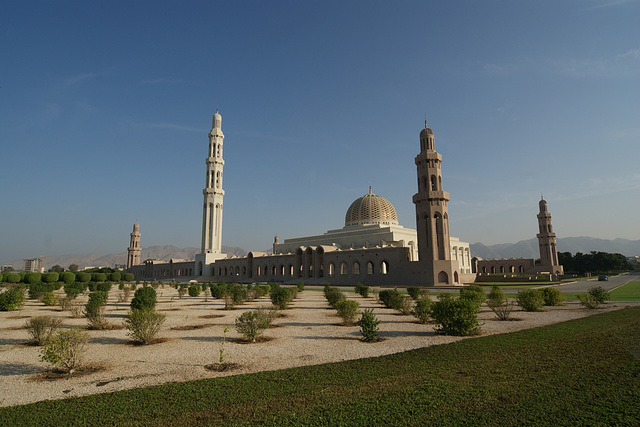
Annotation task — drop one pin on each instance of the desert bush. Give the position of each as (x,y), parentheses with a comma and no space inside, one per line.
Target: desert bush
(73,290)
(294,292)
(128,277)
(194,290)
(333,295)
(417,292)
(32,278)
(144,324)
(270,313)
(599,294)
(473,293)
(228,301)
(50,299)
(41,328)
(348,311)
(368,323)
(422,310)
(219,290)
(98,277)
(37,289)
(552,296)
(65,302)
(362,290)
(496,295)
(501,308)
(456,316)
(588,300)
(391,298)
(83,277)
(182,289)
(404,304)
(103,287)
(530,299)
(68,277)
(251,324)
(281,297)
(64,349)
(263,290)
(12,299)
(300,286)
(50,277)
(239,293)
(94,310)
(11,277)
(144,298)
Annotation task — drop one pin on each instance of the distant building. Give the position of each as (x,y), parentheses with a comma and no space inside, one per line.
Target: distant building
(6,267)
(133,252)
(33,265)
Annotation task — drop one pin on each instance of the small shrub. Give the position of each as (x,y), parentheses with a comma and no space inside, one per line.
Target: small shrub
(389,296)
(473,293)
(422,310)
(219,290)
(496,295)
(368,325)
(98,277)
(11,277)
(32,278)
(552,296)
(64,349)
(41,328)
(83,277)
(73,290)
(37,289)
(65,303)
(239,293)
(68,277)
(416,292)
(144,298)
(403,303)
(588,300)
(12,299)
(115,276)
(251,324)
(50,299)
(182,290)
(144,324)
(501,308)
(599,294)
(103,287)
(228,301)
(362,290)
(281,297)
(530,299)
(300,286)
(456,316)
(128,277)
(94,310)
(194,290)
(50,277)
(270,313)
(333,296)
(348,311)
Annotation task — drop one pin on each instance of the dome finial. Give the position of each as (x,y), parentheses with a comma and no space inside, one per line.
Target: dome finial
(370,187)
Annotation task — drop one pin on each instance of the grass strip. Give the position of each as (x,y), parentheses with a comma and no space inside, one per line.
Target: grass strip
(628,292)
(585,371)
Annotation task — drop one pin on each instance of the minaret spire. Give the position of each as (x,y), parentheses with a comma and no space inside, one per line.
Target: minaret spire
(213,192)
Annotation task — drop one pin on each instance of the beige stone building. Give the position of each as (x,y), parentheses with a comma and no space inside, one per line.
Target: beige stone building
(372,248)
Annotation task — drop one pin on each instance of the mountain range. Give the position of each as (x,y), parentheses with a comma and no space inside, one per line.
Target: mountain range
(521,249)
(529,248)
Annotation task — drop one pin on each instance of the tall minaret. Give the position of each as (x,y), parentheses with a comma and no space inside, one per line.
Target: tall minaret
(133,252)
(547,240)
(432,212)
(213,192)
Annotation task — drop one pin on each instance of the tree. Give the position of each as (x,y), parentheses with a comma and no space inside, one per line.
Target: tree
(56,269)
(73,268)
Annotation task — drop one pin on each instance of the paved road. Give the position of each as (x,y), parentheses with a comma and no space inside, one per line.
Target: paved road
(613,282)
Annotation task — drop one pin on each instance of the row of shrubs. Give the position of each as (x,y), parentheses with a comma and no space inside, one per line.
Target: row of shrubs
(66,277)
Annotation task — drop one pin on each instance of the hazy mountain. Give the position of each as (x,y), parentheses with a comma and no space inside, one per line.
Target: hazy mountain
(109,260)
(529,248)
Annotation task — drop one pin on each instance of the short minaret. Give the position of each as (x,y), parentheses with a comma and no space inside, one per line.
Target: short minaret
(547,241)
(213,192)
(276,242)
(133,252)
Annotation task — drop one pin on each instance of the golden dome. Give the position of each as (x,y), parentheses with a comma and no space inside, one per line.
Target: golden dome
(371,209)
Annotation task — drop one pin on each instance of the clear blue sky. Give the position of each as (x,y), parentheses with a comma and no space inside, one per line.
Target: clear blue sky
(105,109)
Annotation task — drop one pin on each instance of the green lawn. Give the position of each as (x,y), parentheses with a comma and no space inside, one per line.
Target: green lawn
(582,372)
(628,292)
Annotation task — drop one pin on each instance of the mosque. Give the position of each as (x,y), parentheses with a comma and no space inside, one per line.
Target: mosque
(372,248)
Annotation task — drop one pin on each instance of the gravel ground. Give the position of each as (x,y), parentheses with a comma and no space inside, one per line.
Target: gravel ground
(309,333)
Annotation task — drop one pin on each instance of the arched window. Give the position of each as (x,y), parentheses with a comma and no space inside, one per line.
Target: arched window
(384,267)
(273,270)
(343,268)
(493,270)
(355,269)
(290,269)
(244,271)
(521,269)
(332,269)
(455,277)
(434,184)
(370,268)
(502,269)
